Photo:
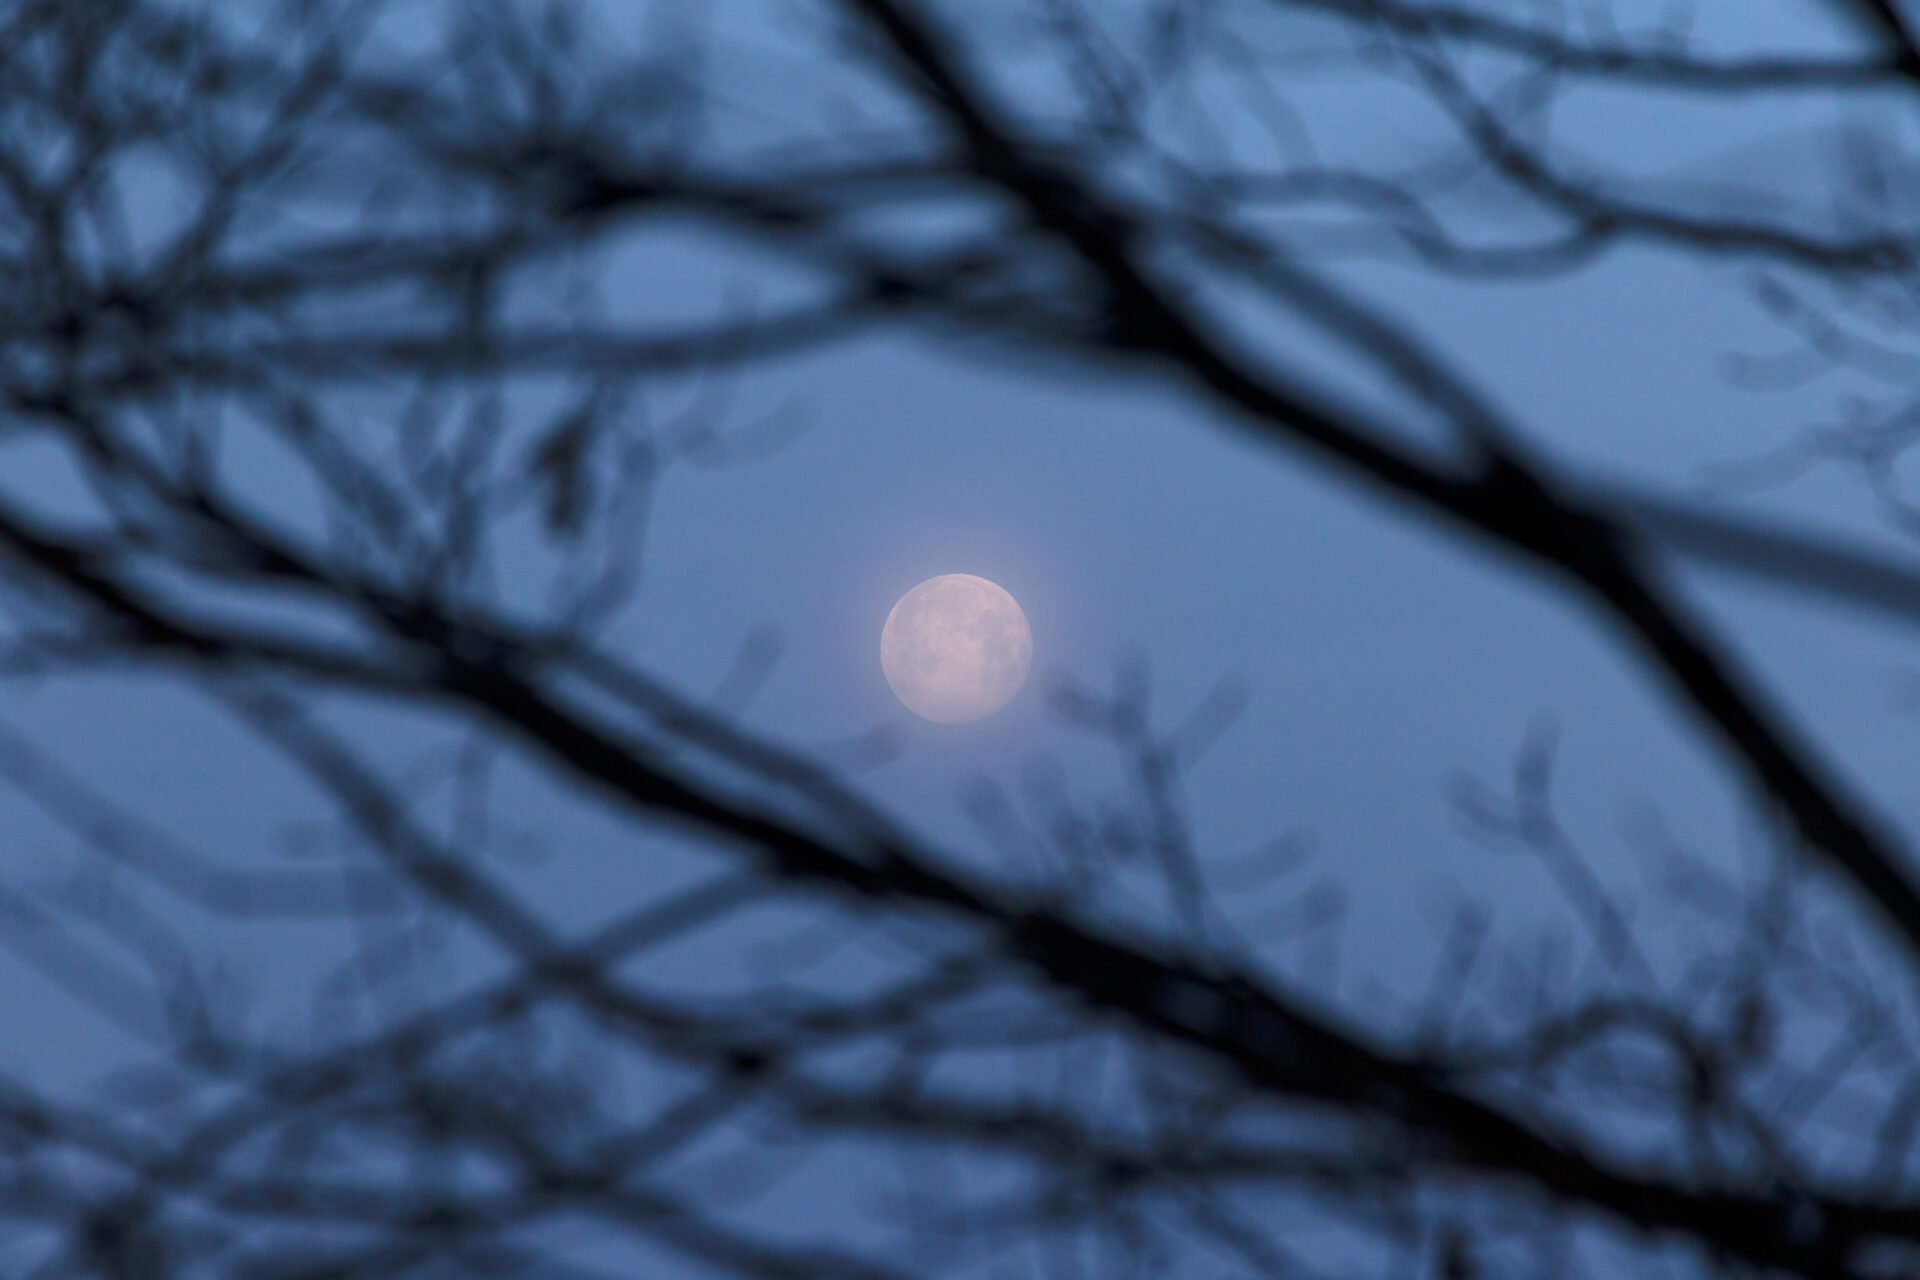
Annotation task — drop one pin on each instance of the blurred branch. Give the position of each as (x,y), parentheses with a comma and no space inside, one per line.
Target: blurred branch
(382,271)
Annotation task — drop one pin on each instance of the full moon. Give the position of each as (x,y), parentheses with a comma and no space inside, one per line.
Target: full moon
(956,648)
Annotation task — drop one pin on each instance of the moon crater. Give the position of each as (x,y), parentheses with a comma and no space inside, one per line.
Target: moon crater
(956,648)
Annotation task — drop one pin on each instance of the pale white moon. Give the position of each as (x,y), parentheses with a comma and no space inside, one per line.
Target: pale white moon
(956,648)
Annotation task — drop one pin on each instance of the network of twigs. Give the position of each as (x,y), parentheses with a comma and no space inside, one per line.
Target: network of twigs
(300,323)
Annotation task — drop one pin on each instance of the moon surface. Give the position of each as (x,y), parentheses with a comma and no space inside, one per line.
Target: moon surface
(956,648)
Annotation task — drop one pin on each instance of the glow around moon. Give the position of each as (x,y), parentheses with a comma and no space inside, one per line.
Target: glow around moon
(956,648)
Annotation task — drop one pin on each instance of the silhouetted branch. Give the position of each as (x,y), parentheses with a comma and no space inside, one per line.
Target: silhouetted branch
(288,399)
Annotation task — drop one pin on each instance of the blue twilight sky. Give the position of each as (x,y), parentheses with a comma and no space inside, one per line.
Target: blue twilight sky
(1382,655)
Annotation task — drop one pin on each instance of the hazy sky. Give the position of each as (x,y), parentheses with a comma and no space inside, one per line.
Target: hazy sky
(1382,654)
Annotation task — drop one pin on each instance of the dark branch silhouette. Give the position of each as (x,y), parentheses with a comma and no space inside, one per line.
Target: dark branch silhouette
(300,314)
